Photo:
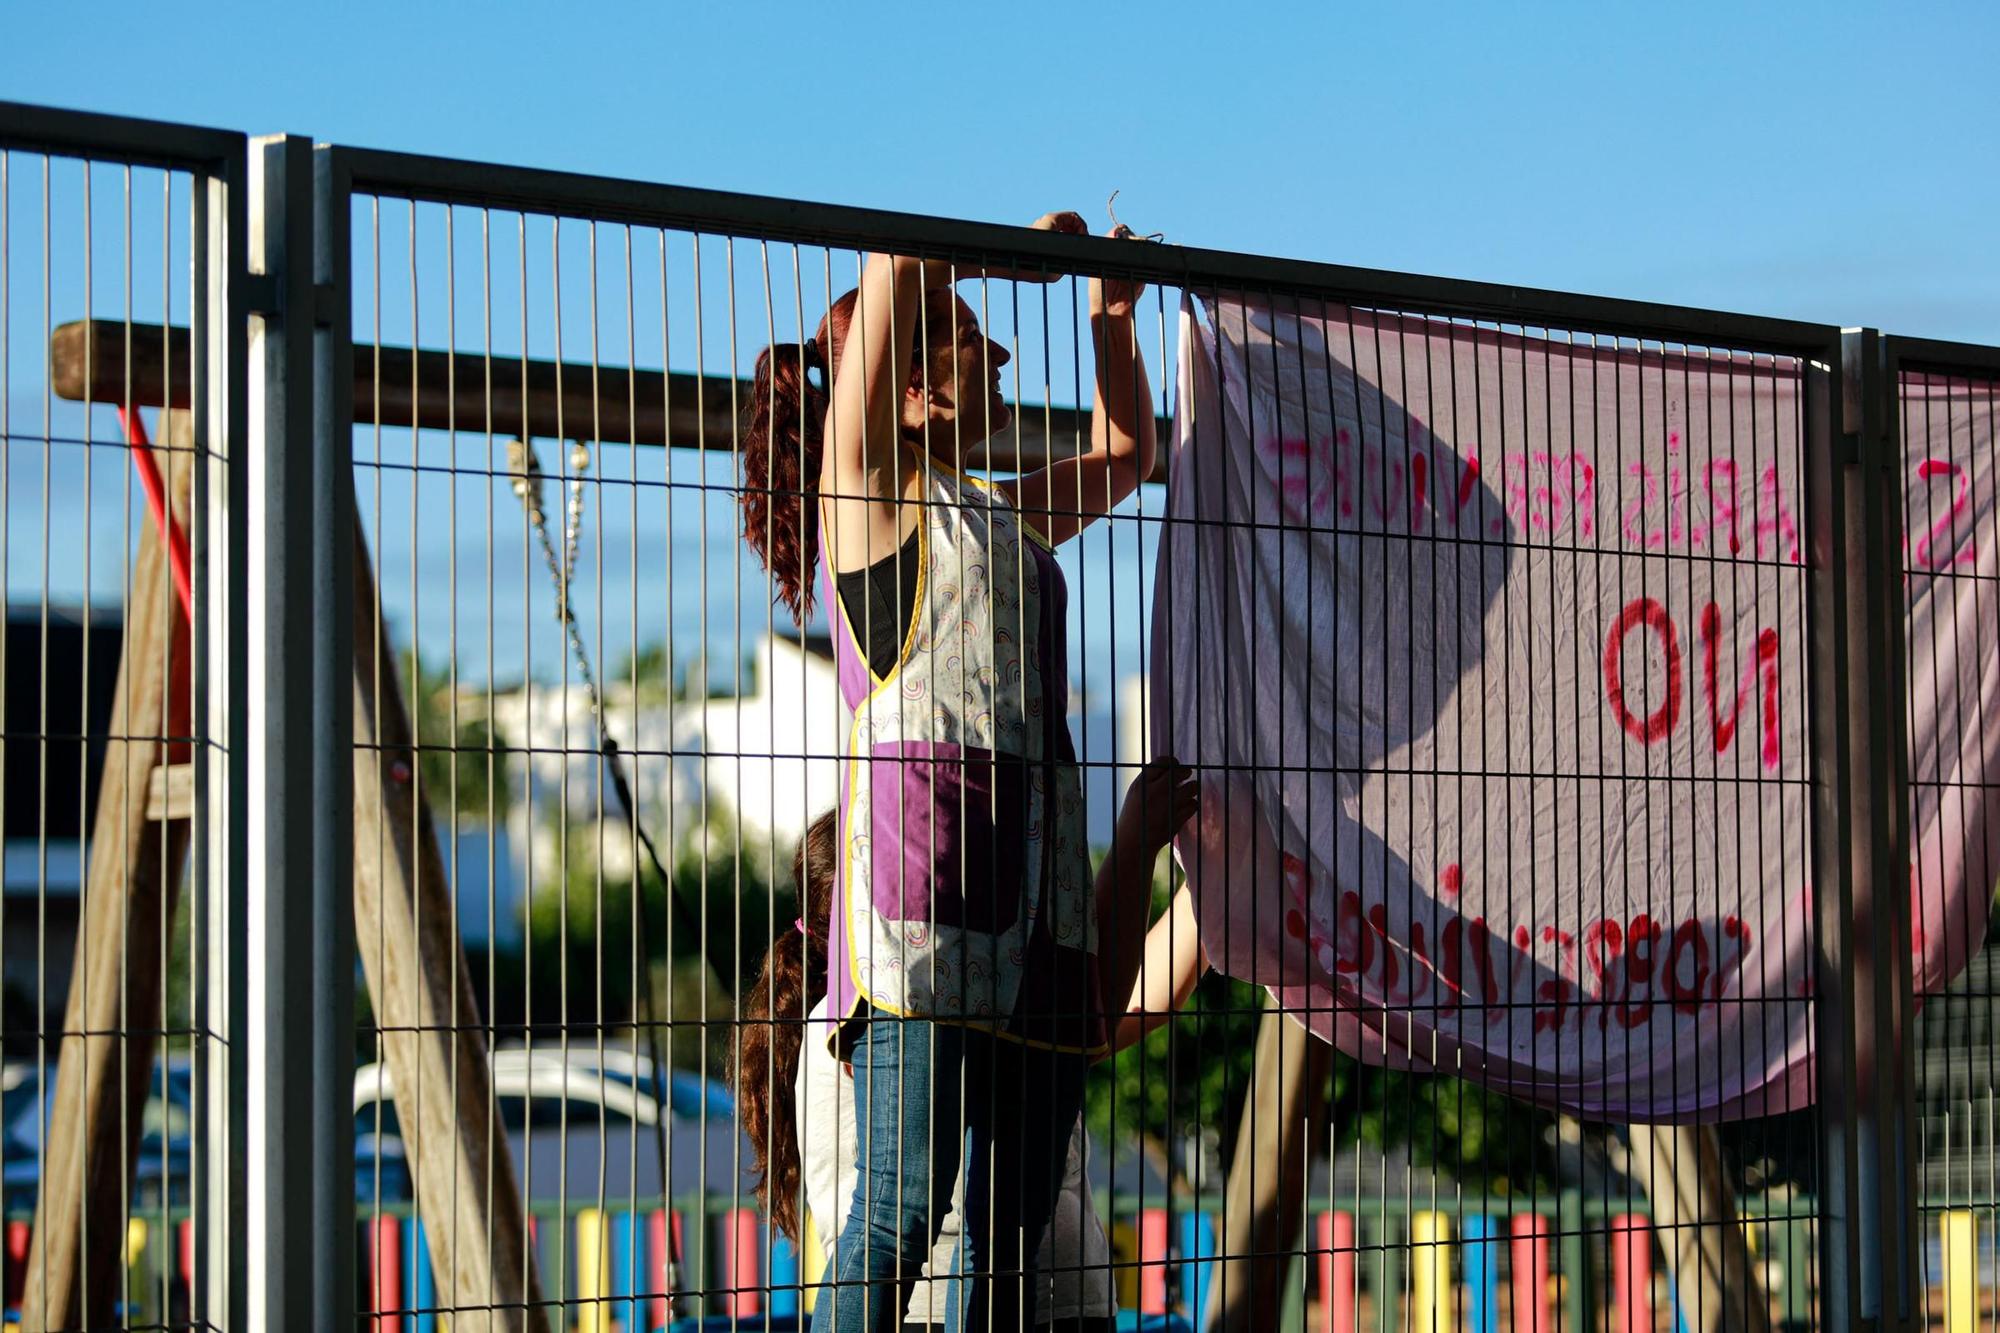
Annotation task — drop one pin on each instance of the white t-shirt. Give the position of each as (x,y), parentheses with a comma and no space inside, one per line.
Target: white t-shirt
(1075,1238)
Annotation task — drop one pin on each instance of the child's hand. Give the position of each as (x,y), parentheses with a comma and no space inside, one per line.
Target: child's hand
(1161,799)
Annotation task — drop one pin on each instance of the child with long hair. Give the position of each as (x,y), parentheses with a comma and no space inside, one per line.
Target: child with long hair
(796,1102)
(963,947)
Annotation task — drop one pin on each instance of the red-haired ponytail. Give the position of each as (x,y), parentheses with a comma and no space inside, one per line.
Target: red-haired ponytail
(781,462)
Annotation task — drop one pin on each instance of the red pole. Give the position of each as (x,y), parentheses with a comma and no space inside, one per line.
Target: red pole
(658,1254)
(1336,1274)
(1530,1262)
(173,536)
(1152,1261)
(385,1270)
(187,1258)
(18,1236)
(741,1275)
(1632,1273)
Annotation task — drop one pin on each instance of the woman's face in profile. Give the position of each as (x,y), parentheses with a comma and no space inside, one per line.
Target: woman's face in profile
(960,404)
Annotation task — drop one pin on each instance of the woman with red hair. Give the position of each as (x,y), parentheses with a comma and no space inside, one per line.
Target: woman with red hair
(965,940)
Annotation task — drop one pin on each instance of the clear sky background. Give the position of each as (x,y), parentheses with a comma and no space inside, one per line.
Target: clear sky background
(1829,161)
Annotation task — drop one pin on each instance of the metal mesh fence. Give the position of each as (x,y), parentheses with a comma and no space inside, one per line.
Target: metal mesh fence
(539,597)
(751,834)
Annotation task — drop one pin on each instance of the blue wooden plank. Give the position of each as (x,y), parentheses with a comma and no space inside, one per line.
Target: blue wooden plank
(784,1280)
(627,1263)
(419,1285)
(1197,1236)
(1482,1271)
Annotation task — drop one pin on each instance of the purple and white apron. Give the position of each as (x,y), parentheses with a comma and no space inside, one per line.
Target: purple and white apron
(965,891)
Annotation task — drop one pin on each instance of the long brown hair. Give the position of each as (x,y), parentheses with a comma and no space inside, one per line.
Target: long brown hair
(783,444)
(791,981)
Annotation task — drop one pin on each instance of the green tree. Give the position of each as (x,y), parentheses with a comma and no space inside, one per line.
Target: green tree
(591,947)
(461,767)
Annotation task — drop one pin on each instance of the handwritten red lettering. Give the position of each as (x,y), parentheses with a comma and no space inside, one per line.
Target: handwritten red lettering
(1926,554)
(1468,478)
(1765,661)
(1689,937)
(1354,943)
(1722,504)
(1774,518)
(1378,924)
(1647,613)
(1649,492)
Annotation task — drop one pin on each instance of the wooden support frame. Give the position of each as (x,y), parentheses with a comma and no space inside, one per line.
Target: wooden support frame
(112,1018)
(1694,1214)
(434,390)
(1263,1216)
(416,969)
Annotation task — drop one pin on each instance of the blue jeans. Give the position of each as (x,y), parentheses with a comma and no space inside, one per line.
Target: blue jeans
(930,1098)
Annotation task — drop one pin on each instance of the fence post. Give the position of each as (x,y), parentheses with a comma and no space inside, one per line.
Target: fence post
(1860,855)
(287,831)
(332,887)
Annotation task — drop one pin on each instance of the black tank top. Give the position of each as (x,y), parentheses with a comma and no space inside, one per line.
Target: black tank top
(880,601)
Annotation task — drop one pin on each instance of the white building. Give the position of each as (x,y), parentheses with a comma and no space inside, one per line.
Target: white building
(767,759)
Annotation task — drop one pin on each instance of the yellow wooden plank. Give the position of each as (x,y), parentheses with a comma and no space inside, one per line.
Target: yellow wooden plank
(593,1273)
(812,1264)
(1430,1287)
(1961,1271)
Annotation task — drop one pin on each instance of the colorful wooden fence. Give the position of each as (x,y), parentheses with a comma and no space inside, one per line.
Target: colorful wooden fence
(1367,1269)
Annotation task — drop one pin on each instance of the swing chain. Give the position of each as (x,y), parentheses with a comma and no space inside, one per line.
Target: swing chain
(524,467)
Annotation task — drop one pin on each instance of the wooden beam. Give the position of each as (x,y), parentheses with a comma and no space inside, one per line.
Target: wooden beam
(1694,1215)
(435,390)
(424,1008)
(1263,1215)
(133,883)
(170,792)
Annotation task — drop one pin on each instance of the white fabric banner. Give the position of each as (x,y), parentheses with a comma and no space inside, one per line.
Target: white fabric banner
(1490,649)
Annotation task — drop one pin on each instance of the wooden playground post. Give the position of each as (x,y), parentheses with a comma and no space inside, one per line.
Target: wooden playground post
(1264,1208)
(1694,1213)
(112,1018)
(424,1006)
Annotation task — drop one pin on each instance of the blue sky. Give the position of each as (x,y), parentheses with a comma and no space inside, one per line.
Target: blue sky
(1830,161)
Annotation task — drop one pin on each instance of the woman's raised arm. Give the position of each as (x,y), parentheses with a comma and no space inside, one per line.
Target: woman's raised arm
(1068,495)
(861,470)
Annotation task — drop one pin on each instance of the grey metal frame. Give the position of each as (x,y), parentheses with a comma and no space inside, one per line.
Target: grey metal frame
(222,875)
(300,930)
